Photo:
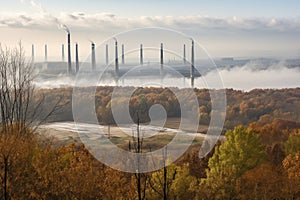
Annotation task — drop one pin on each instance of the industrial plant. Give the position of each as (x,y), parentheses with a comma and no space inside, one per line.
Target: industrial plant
(111,62)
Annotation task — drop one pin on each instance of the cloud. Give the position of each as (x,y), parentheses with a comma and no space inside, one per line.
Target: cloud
(81,20)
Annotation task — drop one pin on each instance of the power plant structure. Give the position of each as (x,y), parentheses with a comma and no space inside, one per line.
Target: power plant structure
(116,57)
(69,53)
(184,54)
(46,53)
(106,54)
(161,53)
(161,58)
(32,53)
(77,58)
(93,57)
(123,55)
(192,70)
(63,53)
(141,55)
(185,70)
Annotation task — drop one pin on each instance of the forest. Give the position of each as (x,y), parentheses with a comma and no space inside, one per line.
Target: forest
(259,158)
(254,162)
(260,105)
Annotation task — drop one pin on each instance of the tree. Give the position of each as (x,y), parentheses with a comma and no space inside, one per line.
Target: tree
(175,184)
(16,92)
(263,182)
(292,145)
(137,147)
(291,165)
(241,151)
(160,183)
(20,108)
(181,186)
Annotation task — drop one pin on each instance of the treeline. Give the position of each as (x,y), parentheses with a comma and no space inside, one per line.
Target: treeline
(260,105)
(258,162)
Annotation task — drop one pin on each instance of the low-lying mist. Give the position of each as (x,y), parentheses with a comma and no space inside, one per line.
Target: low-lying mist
(246,77)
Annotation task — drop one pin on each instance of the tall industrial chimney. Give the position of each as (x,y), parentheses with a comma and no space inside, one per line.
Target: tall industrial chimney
(123,54)
(161,54)
(63,53)
(93,56)
(32,53)
(106,53)
(116,57)
(69,53)
(77,57)
(141,55)
(161,59)
(46,53)
(192,71)
(184,54)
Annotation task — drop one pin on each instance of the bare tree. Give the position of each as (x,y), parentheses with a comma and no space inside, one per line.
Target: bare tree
(137,147)
(20,108)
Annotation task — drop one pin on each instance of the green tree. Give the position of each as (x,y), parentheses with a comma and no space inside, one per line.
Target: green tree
(292,145)
(178,181)
(241,151)
(181,187)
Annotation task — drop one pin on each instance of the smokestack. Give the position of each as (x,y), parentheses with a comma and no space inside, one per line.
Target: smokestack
(76,57)
(46,53)
(69,53)
(63,53)
(192,64)
(161,54)
(106,54)
(116,56)
(184,54)
(141,55)
(32,53)
(161,59)
(93,56)
(123,54)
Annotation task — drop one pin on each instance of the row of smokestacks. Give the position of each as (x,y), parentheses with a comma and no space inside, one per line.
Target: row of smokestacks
(93,56)
(63,52)
(107,58)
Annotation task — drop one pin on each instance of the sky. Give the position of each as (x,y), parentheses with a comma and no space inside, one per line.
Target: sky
(226,28)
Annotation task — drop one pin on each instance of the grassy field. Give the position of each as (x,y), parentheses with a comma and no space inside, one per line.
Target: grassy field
(151,143)
(122,136)
(175,122)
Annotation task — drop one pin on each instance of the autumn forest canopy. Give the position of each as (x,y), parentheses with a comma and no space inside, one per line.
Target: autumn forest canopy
(262,106)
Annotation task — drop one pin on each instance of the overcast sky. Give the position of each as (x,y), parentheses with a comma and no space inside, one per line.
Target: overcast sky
(226,28)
